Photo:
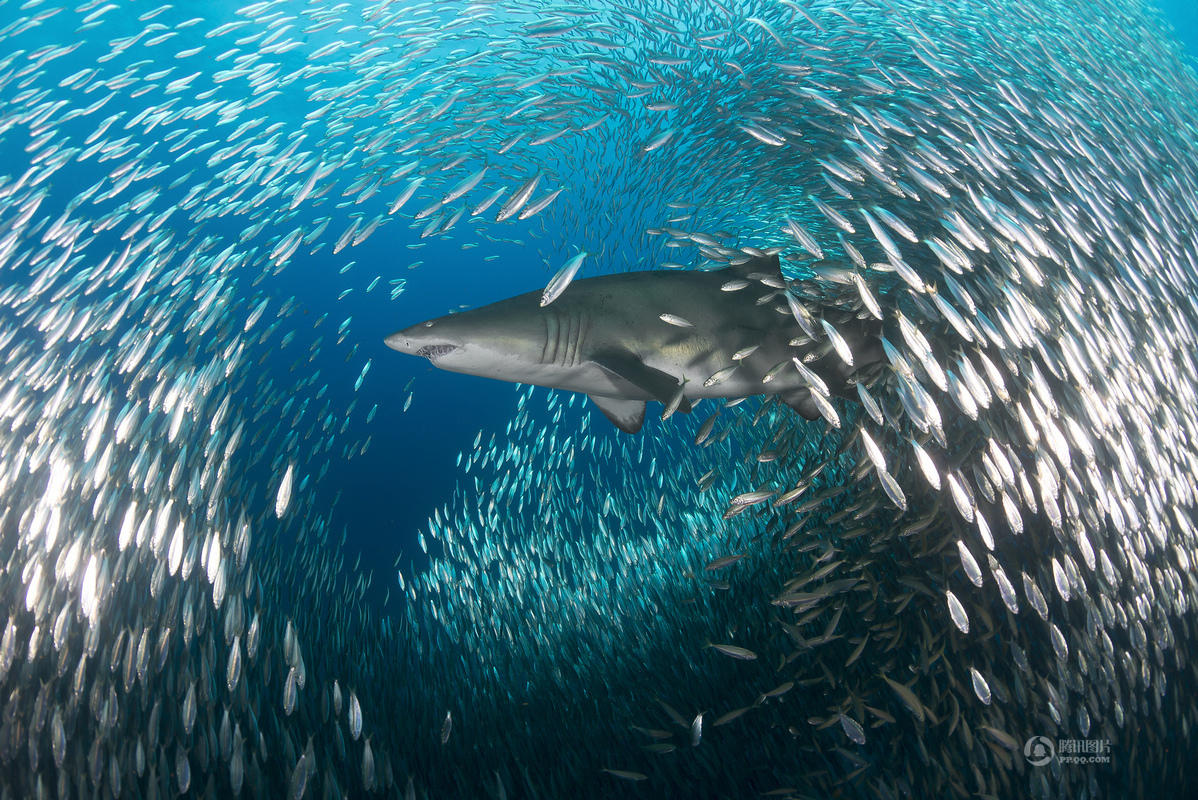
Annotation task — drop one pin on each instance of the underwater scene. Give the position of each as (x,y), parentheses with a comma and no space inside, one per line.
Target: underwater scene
(597,399)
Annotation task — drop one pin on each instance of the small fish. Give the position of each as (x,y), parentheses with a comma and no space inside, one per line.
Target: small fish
(627,775)
(751,498)
(488,201)
(675,402)
(518,199)
(763,135)
(804,238)
(892,489)
(980,687)
(872,450)
(926,465)
(745,352)
(867,298)
(465,186)
(838,343)
(881,236)
(723,561)
(733,651)
(908,697)
(676,321)
(706,428)
(812,380)
(834,216)
(734,714)
(562,279)
(534,208)
(896,224)
(355,716)
(660,140)
(957,612)
(852,729)
(406,194)
(969,564)
(827,411)
(871,405)
(779,690)
(283,496)
(290,691)
(720,376)
(774,371)
(801,315)
(1002,737)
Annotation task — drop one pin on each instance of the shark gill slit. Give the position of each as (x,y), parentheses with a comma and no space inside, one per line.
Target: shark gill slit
(568,342)
(577,340)
(559,331)
(563,340)
(550,337)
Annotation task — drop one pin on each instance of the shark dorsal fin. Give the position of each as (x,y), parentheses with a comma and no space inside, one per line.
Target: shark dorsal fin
(761,265)
(627,415)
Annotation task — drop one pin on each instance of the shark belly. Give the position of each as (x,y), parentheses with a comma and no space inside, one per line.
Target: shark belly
(697,373)
(587,378)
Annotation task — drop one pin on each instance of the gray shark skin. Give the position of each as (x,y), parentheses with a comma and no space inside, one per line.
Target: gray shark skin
(605,337)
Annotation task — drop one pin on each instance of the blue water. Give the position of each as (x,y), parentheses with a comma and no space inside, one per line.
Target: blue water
(390,492)
(387,495)
(1183,14)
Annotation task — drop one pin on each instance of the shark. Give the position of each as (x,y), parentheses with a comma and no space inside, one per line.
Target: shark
(671,336)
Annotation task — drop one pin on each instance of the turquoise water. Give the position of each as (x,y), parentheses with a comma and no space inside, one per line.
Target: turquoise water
(1184,18)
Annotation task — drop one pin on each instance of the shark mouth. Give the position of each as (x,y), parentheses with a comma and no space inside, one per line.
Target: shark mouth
(432,351)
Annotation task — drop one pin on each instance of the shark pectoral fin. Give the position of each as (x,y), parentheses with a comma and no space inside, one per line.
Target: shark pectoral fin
(800,400)
(661,386)
(627,415)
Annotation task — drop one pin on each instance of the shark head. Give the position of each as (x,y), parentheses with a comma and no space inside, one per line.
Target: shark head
(489,342)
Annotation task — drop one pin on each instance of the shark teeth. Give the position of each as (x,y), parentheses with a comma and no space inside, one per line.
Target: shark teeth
(431,351)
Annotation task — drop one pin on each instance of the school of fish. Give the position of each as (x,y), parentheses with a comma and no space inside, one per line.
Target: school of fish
(992,538)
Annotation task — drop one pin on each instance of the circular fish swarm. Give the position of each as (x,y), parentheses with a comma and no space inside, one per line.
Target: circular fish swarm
(984,556)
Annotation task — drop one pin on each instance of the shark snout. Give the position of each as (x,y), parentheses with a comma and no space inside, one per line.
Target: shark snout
(400,341)
(419,340)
